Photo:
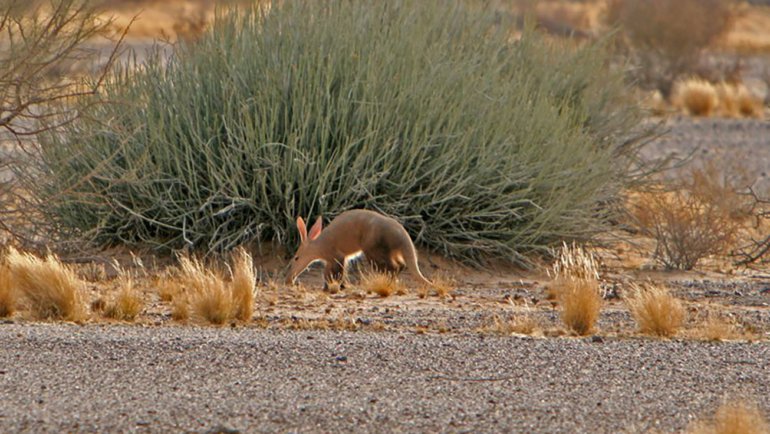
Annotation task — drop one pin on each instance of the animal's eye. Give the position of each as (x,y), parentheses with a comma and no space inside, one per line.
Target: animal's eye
(296,258)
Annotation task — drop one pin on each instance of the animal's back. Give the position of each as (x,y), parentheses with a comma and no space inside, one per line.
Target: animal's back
(365,229)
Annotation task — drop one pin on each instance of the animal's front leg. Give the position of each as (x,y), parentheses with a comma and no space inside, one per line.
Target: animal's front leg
(334,272)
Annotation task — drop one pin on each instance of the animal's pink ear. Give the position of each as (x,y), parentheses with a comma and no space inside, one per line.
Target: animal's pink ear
(302,229)
(315,231)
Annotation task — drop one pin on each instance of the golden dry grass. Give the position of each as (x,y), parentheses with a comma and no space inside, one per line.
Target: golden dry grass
(52,289)
(576,287)
(7,293)
(519,324)
(733,417)
(443,285)
(716,327)
(204,294)
(382,284)
(580,301)
(695,96)
(127,303)
(180,308)
(655,310)
(576,262)
(209,297)
(243,285)
(735,100)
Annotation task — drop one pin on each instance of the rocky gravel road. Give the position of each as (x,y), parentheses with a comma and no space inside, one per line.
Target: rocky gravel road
(59,377)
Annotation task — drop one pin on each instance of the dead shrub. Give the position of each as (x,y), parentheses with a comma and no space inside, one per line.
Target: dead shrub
(667,37)
(695,96)
(127,304)
(7,293)
(576,287)
(700,215)
(655,310)
(734,416)
(52,289)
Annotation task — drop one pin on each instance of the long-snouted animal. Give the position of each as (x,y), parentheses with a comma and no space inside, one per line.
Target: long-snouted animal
(383,241)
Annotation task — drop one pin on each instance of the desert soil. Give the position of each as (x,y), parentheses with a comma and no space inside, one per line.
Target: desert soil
(407,362)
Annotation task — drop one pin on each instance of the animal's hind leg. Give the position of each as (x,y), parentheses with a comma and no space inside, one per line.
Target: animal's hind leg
(380,260)
(334,272)
(397,263)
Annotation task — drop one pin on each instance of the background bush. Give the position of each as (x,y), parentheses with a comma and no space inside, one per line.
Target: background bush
(426,110)
(667,37)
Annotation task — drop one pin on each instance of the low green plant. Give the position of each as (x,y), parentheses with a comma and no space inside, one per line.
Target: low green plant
(430,111)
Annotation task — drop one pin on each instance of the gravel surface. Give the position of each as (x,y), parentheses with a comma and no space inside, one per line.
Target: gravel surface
(740,143)
(56,378)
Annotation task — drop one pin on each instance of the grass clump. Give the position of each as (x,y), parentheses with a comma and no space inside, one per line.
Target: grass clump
(576,287)
(524,324)
(52,289)
(696,97)
(655,310)
(243,285)
(734,416)
(382,284)
(424,109)
(127,303)
(208,297)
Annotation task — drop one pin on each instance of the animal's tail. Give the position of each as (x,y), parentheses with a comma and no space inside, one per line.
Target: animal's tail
(411,263)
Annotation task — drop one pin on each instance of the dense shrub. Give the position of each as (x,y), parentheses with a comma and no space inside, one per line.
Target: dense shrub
(426,110)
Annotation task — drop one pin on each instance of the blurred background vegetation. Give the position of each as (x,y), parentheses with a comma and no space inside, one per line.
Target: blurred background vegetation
(489,128)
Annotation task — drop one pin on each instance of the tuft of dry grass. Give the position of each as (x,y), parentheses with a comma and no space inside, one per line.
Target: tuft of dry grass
(7,293)
(243,285)
(580,301)
(127,303)
(518,324)
(204,294)
(576,287)
(382,284)
(208,294)
(52,289)
(180,308)
(655,310)
(735,100)
(717,327)
(735,416)
(695,96)
(575,262)
(443,285)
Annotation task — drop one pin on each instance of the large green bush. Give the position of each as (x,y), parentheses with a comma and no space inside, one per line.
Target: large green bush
(431,111)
